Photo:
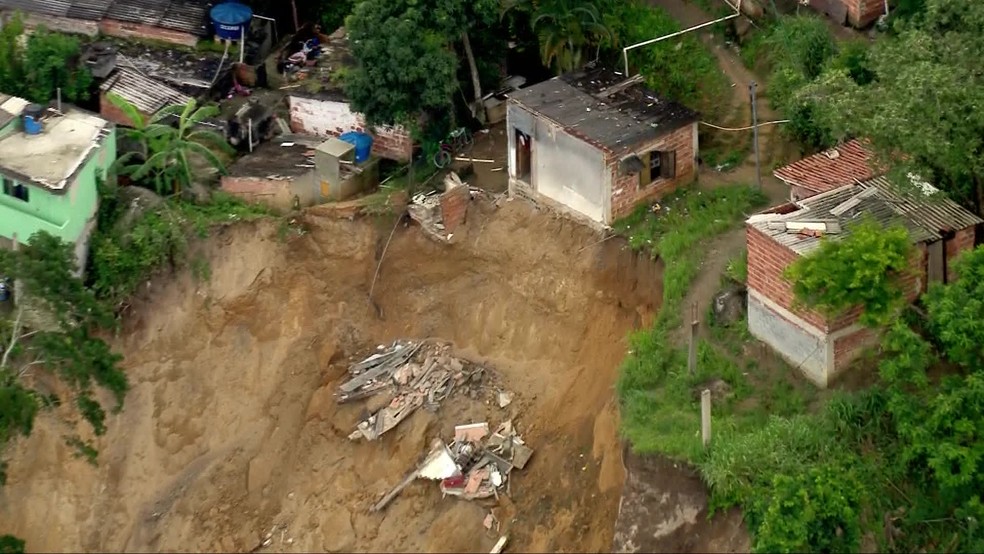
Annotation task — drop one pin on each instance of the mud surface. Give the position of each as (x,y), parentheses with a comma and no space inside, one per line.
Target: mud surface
(231,430)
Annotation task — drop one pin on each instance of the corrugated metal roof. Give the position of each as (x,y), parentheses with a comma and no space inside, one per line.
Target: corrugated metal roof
(147,95)
(186,15)
(619,121)
(926,217)
(53,8)
(90,10)
(935,211)
(833,168)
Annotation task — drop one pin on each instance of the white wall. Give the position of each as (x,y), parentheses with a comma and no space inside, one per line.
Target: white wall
(806,349)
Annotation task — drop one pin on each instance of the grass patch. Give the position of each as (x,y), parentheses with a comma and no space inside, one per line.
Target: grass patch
(684,222)
(737,268)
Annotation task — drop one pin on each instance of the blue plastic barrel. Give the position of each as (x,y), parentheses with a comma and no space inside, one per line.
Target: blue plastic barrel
(362,143)
(32,119)
(229,19)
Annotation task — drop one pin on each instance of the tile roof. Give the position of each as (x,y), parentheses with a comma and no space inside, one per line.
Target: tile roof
(827,170)
(927,216)
(602,106)
(147,95)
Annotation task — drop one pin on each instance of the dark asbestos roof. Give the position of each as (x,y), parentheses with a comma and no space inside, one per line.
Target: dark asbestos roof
(927,214)
(603,107)
(188,16)
(53,8)
(272,160)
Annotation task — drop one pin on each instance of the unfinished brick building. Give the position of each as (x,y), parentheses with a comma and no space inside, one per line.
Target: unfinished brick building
(856,13)
(594,145)
(822,347)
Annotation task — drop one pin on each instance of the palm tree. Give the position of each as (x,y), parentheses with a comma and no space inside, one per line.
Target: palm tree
(565,29)
(166,151)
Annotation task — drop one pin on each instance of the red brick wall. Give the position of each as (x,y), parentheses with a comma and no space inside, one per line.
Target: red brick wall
(849,346)
(767,259)
(121,29)
(861,13)
(961,242)
(454,207)
(110,112)
(626,191)
(331,118)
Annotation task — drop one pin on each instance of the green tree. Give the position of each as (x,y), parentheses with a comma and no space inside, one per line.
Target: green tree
(62,343)
(863,269)
(408,75)
(922,110)
(38,68)
(956,311)
(10,544)
(817,510)
(567,30)
(168,152)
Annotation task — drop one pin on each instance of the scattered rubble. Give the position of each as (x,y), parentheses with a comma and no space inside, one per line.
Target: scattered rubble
(431,209)
(415,374)
(475,465)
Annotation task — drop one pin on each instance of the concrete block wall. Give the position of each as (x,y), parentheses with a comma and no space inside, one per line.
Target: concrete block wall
(276,193)
(122,29)
(627,192)
(62,24)
(454,207)
(329,118)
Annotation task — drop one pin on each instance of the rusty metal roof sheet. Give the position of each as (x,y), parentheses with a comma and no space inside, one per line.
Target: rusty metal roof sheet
(833,168)
(146,94)
(926,215)
(178,15)
(597,105)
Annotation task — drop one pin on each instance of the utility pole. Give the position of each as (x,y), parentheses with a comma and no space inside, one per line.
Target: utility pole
(755,135)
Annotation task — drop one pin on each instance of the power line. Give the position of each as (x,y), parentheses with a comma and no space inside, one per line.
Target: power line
(763,124)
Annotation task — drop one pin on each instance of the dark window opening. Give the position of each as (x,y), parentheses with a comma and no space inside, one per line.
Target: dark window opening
(657,165)
(524,155)
(18,191)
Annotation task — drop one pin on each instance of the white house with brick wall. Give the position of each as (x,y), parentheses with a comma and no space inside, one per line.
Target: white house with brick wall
(822,347)
(594,145)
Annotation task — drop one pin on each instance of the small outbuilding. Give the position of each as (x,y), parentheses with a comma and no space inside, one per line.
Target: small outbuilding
(820,346)
(594,144)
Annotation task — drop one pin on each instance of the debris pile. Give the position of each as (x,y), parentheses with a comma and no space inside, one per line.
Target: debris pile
(414,374)
(475,465)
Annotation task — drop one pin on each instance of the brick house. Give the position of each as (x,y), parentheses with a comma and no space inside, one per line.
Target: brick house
(174,21)
(822,347)
(845,164)
(856,13)
(594,145)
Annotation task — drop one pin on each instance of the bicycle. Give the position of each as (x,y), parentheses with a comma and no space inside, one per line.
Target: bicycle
(458,140)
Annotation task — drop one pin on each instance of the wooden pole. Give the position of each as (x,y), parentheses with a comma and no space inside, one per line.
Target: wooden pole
(705,417)
(250,132)
(692,357)
(755,135)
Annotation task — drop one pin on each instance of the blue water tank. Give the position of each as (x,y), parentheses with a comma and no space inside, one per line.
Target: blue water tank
(230,19)
(362,142)
(32,119)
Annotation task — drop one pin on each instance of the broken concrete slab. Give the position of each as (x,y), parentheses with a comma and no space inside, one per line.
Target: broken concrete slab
(473,432)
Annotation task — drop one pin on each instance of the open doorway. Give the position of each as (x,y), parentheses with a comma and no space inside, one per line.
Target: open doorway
(524,155)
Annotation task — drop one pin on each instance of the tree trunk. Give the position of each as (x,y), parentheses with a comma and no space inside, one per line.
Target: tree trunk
(476,109)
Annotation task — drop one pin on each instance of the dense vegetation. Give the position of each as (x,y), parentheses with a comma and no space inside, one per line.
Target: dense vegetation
(37,67)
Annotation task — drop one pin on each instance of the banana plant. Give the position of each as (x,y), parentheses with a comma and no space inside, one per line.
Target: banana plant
(166,152)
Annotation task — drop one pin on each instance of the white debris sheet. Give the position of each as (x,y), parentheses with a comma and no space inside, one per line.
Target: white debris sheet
(414,374)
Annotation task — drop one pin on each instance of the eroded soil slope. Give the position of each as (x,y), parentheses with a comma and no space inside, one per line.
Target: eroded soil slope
(231,427)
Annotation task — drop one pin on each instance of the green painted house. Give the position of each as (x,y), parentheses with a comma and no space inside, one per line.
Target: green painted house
(48,178)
